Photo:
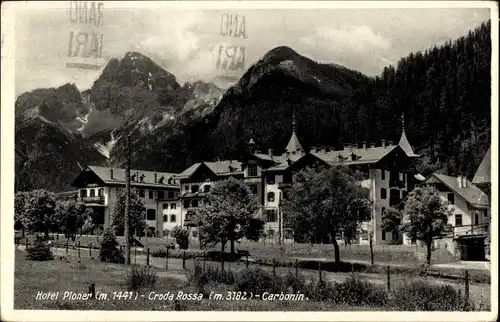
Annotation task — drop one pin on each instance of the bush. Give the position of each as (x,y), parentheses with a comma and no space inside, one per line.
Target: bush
(200,276)
(254,229)
(181,236)
(110,252)
(356,292)
(258,281)
(40,251)
(422,296)
(138,278)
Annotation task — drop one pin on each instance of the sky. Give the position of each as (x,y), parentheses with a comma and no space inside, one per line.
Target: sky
(186,41)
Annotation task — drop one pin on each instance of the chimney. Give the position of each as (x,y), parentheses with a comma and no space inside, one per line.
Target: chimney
(347,146)
(270,152)
(364,145)
(372,145)
(353,157)
(459,181)
(390,143)
(383,143)
(111,173)
(464,181)
(156,177)
(327,149)
(317,149)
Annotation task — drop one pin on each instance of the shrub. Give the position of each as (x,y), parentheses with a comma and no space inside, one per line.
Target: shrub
(422,296)
(138,278)
(254,229)
(201,276)
(110,252)
(181,236)
(356,292)
(257,281)
(40,251)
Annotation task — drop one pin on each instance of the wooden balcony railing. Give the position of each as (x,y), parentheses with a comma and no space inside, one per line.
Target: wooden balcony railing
(467,230)
(95,200)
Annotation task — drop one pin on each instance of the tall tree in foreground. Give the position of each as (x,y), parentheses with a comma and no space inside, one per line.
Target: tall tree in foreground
(137,212)
(226,213)
(324,202)
(39,211)
(424,217)
(19,210)
(71,216)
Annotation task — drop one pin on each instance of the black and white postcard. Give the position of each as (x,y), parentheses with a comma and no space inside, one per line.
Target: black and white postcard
(249,160)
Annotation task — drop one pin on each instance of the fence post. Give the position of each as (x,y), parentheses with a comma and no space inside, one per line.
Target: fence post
(78,246)
(246,262)
(320,273)
(135,255)
(166,260)
(222,260)
(466,282)
(92,291)
(147,258)
(184,260)
(296,268)
(27,243)
(352,269)
(388,277)
(67,242)
(90,250)
(274,267)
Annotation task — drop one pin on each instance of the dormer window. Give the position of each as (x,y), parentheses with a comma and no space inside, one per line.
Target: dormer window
(161,179)
(142,178)
(252,170)
(133,177)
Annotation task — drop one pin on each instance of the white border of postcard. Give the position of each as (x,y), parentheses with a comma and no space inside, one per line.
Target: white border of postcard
(7,175)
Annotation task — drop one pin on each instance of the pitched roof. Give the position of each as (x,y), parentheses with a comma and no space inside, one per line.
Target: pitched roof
(472,194)
(283,161)
(219,168)
(363,156)
(293,144)
(483,173)
(119,176)
(405,145)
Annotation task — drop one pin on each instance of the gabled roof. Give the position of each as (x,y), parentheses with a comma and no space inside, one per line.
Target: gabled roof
(483,173)
(363,156)
(283,165)
(472,194)
(119,176)
(219,168)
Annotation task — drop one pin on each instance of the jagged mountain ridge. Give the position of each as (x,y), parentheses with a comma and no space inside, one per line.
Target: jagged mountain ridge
(332,104)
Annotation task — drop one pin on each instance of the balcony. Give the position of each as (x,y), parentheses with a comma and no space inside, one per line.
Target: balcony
(92,200)
(466,230)
(396,183)
(166,198)
(284,185)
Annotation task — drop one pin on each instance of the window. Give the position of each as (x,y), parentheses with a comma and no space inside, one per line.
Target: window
(271,178)
(165,206)
(151,214)
(383,234)
(165,218)
(186,204)
(194,203)
(252,170)
(151,194)
(172,206)
(141,193)
(401,176)
(161,195)
(100,192)
(383,174)
(451,198)
(458,220)
(172,218)
(195,188)
(253,188)
(186,188)
(476,219)
(271,215)
(92,192)
(270,196)
(206,188)
(383,193)
(171,195)
(83,193)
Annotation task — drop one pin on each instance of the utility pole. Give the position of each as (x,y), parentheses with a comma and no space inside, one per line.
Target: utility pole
(127,205)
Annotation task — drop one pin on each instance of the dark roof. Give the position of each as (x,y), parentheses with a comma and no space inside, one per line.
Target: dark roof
(483,173)
(119,177)
(472,194)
